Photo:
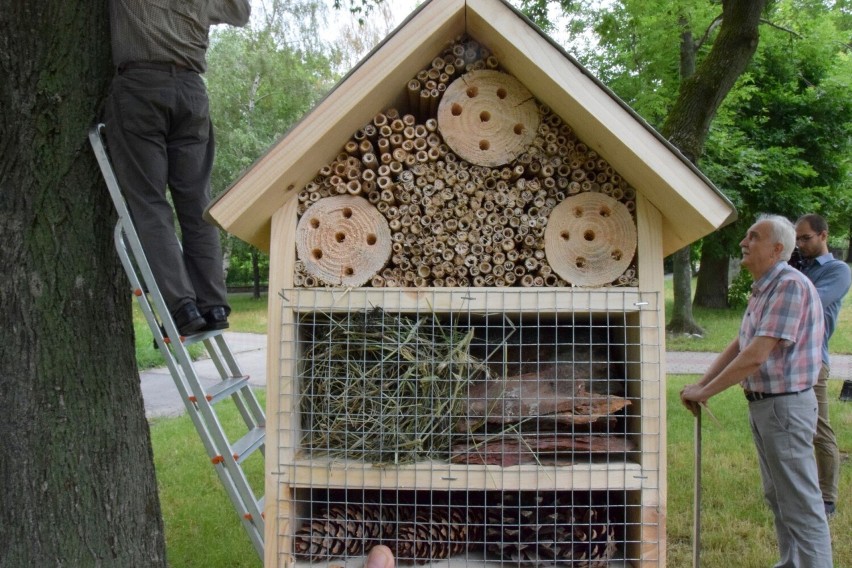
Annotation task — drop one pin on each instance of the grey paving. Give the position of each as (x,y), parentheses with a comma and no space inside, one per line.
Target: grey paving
(161,396)
(162,399)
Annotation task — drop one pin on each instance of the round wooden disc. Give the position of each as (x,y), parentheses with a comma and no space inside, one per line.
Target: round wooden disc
(343,240)
(590,239)
(488,117)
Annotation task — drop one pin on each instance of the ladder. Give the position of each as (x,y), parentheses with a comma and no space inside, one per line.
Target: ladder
(226,456)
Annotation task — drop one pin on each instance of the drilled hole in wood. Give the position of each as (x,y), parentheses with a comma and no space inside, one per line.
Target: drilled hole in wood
(340,237)
(589,235)
(578,212)
(472,91)
(605,212)
(519,129)
(565,235)
(502,93)
(456,109)
(484,145)
(348,271)
(485,116)
(372,239)
(347,213)
(315,223)
(317,254)
(580,262)
(616,255)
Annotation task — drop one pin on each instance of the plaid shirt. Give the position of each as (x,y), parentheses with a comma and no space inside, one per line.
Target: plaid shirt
(170,31)
(784,304)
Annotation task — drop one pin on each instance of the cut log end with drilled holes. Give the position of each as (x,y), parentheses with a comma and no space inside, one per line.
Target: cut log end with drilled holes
(590,239)
(343,240)
(488,118)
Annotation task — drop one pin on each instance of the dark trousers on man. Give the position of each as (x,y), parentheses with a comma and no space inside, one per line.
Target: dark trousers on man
(159,135)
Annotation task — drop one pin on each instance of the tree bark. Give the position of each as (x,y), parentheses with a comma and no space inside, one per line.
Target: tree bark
(712,283)
(682,320)
(76,473)
(701,93)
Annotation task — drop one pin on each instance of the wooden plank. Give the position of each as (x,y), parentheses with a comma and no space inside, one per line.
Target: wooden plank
(692,208)
(280,343)
(442,476)
(510,301)
(377,83)
(653,397)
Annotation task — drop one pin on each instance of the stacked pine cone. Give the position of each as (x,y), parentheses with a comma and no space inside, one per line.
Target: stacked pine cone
(416,534)
(533,528)
(528,528)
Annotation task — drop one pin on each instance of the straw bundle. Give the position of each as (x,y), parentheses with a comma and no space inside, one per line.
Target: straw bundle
(383,387)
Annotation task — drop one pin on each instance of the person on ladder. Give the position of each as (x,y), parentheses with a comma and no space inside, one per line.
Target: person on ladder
(160,136)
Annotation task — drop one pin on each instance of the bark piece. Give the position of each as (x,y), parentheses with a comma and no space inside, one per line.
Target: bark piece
(512,449)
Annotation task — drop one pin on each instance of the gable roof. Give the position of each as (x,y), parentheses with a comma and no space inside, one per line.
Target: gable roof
(691,206)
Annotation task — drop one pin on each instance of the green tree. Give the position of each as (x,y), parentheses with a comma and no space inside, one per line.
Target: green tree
(77,484)
(642,51)
(782,142)
(260,85)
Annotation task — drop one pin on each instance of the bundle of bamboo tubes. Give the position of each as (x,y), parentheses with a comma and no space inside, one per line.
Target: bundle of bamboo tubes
(454,223)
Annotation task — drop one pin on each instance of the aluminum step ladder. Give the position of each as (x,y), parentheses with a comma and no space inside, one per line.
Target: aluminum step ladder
(226,456)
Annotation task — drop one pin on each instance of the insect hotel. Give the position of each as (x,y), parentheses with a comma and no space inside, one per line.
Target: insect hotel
(466,314)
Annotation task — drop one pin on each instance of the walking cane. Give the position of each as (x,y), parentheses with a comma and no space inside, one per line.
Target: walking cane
(696,503)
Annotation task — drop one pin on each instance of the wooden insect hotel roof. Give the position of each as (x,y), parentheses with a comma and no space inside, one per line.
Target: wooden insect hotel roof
(689,204)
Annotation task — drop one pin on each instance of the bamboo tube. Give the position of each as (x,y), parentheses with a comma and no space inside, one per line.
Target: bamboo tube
(370,162)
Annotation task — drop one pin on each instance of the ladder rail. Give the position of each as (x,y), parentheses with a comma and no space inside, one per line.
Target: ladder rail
(226,461)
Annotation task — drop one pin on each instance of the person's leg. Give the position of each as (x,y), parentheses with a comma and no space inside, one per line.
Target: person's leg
(191,151)
(786,545)
(787,425)
(825,444)
(136,126)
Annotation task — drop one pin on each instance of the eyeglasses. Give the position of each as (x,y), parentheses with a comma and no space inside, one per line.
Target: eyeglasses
(805,238)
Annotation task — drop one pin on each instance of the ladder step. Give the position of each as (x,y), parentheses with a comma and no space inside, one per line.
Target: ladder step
(248,444)
(224,389)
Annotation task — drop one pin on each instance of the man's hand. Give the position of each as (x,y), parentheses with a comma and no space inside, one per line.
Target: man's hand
(693,397)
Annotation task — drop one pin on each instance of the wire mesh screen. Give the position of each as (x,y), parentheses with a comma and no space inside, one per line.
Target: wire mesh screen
(469,426)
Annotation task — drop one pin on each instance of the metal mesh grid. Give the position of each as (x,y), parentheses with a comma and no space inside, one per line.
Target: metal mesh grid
(478,425)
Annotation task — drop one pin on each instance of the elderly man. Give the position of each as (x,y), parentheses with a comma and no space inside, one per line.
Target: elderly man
(832,278)
(776,359)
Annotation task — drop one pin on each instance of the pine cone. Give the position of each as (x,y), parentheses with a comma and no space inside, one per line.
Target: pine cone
(541,529)
(437,532)
(341,530)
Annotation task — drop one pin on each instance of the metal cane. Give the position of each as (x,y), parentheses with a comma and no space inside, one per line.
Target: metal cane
(696,503)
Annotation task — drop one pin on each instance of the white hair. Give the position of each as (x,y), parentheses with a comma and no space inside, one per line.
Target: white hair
(781,230)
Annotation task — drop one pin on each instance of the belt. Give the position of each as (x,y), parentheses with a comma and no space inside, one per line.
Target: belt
(153,66)
(753,396)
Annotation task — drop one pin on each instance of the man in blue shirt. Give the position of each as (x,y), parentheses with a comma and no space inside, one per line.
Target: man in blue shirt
(832,278)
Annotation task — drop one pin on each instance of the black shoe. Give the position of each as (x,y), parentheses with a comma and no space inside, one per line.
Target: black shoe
(846,392)
(216,318)
(188,319)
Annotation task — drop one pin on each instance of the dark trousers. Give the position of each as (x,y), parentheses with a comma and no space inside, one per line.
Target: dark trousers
(159,135)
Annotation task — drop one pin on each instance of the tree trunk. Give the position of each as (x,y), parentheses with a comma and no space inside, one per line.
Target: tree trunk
(700,95)
(711,289)
(849,249)
(255,273)
(76,472)
(682,320)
